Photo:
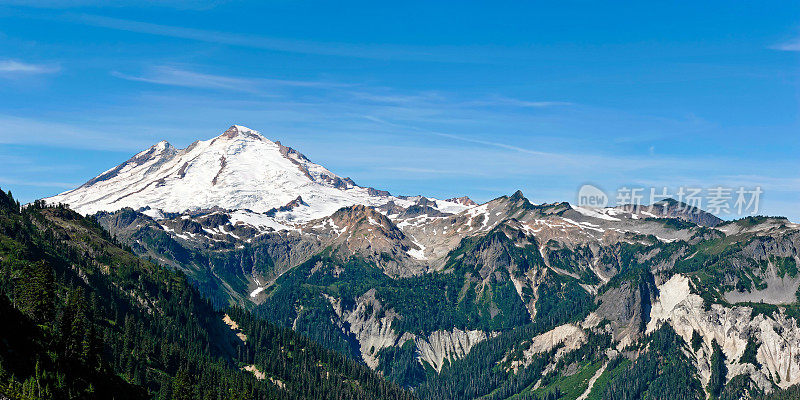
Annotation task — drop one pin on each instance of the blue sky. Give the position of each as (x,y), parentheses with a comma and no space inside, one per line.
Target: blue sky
(434,98)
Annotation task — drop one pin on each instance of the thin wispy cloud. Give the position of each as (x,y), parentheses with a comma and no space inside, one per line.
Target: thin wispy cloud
(457,54)
(512,102)
(777,183)
(389,100)
(62,4)
(175,77)
(435,171)
(389,97)
(210,36)
(461,137)
(30,131)
(172,76)
(45,184)
(28,165)
(791,45)
(14,67)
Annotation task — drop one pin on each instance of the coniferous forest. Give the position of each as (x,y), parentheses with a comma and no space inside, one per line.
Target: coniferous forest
(82,317)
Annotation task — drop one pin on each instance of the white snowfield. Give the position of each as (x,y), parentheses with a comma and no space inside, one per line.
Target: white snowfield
(240,169)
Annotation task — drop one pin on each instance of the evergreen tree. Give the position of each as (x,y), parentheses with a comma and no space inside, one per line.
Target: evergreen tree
(697,341)
(34,291)
(718,370)
(182,386)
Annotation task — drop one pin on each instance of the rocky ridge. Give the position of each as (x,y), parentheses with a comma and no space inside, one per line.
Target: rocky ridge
(373,272)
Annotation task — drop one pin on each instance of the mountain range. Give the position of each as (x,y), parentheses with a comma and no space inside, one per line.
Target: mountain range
(458,300)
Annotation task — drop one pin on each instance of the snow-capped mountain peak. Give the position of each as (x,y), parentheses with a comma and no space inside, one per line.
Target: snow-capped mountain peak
(239,169)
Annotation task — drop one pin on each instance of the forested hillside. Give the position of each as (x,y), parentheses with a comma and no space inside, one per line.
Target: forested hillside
(83,317)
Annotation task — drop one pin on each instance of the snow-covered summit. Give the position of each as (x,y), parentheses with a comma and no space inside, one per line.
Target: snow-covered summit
(239,169)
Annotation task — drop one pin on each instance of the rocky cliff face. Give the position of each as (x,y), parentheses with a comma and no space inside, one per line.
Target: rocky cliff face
(776,336)
(627,308)
(441,346)
(371,324)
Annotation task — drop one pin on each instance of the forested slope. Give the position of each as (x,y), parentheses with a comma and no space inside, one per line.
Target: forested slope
(83,317)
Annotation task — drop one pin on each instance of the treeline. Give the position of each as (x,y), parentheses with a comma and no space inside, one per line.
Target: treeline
(82,317)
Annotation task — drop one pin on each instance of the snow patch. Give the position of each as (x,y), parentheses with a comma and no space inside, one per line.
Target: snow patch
(255,293)
(595,213)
